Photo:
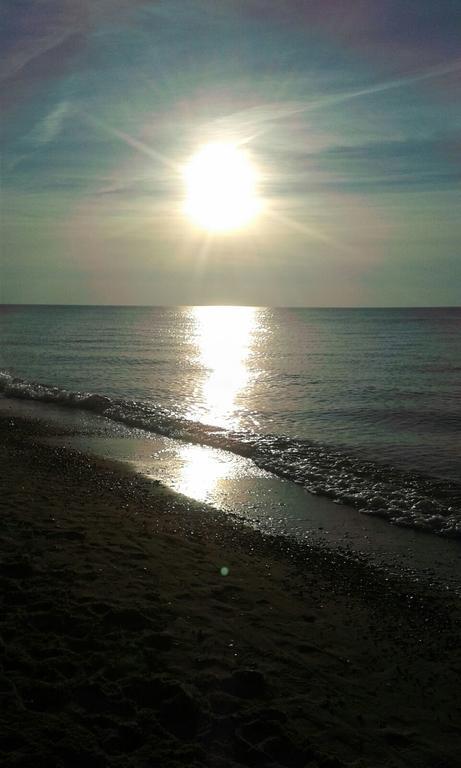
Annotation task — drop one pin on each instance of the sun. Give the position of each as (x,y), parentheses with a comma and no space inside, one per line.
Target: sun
(221,188)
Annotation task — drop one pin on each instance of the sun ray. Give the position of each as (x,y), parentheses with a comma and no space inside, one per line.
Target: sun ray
(311,232)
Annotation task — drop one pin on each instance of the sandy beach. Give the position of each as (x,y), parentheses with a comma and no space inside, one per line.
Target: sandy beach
(141,629)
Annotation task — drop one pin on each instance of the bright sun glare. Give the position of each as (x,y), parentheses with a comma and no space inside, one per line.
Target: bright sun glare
(221,188)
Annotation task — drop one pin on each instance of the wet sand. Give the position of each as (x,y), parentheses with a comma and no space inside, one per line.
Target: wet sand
(124,644)
(236,486)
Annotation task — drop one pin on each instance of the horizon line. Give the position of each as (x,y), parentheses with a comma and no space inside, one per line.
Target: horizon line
(256,306)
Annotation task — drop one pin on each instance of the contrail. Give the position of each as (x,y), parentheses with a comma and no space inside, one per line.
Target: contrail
(439,71)
(269,113)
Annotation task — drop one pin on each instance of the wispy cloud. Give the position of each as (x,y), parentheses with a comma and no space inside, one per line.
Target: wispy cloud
(40,38)
(258,116)
(412,165)
(32,29)
(49,127)
(445,68)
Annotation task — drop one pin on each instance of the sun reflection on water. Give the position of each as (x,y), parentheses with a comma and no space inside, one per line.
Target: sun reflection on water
(202,469)
(223,338)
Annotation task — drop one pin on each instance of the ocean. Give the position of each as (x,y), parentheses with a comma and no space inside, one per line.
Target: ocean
(361,406)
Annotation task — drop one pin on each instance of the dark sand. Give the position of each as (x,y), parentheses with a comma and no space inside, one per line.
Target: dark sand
(123,645)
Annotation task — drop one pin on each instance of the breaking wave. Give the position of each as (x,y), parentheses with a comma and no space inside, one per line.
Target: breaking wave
(407,499)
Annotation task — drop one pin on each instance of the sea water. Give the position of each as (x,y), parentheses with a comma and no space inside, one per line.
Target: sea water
(362,406)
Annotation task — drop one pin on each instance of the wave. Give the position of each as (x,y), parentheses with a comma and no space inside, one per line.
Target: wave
(407,499)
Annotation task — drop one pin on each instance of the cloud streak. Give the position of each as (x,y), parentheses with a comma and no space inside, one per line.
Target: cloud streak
(41,38)
(33,29)
(51,125)
(254,118)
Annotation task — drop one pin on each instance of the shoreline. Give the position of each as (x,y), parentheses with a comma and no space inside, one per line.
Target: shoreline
(124,644)
(398,493)
(247,494)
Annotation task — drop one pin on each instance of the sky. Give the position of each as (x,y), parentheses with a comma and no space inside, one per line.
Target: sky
(350,111)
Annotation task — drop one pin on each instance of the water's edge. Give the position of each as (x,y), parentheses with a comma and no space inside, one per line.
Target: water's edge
(407,499)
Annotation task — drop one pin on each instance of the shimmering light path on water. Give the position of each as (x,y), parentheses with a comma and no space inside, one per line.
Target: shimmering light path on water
(327,398)
(224,338)
(381,382)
